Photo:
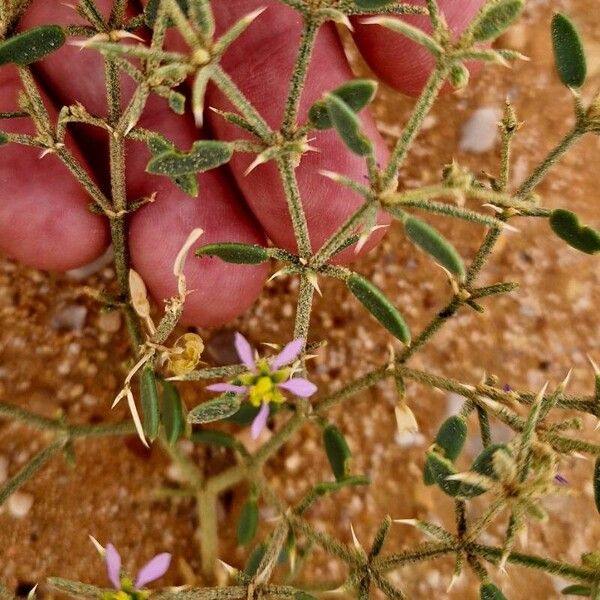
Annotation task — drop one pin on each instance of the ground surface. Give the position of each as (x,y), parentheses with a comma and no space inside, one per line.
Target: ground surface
(55,356)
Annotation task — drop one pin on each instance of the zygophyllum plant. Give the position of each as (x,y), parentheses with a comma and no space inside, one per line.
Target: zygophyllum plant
(513,477)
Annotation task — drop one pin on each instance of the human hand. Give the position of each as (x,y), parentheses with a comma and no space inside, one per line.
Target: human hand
(44,216)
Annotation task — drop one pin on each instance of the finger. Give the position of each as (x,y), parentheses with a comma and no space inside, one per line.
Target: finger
(44,216)
(158,231)
(261,62)
(400,62)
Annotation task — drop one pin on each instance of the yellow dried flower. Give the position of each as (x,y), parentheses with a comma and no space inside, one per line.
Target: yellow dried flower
(185,354)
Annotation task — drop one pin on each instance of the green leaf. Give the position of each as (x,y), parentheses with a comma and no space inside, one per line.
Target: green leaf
(495,18)
(204,155)
(151,11)
(255,559)
(433,243)
(451,437)
(488,591)
(303,596)
(235,253)
(186,183)
(484,465)
(459,76)
(172,412)
(428,478)
(347,125)
(214,438)
(247,413)
(566,226)
(569,55)
(247,522)
(338,452)
(597,484)
(177,102)
(441,468)
(215,410)
(577,590)
(379,306)
(3,138)
(32,45)
(149,396)
(356,94)
(371,4)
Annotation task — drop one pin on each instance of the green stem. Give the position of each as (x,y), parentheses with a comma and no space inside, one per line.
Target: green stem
(208,532)
(29,470)
(420,111)
(294,201)
(299,73)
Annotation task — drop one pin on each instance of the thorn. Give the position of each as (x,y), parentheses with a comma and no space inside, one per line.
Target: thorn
(453,582)
(411,522)
(97,545)
(314,281)
(512,228)
(279,273)
(495,208)
(355,541)
(122,34)
(232,571)
(565,382)
(373,21)
(259,160)
(31,594)
(45,152)
(594,366)
(330,175)
(254,14)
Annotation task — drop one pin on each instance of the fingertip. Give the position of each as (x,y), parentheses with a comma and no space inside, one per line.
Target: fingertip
(219,291)
(401,63)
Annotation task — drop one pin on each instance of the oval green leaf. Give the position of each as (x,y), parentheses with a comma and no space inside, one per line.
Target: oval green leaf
(371,4)
(577,590)
(451,437)
(250,254)
(32,45)
(484,465)
(495,18)
(247,522)
(172,412)
(215,410)
(356,94)
(373,299)
(338,452)
(488,591)
(441,468)
(566,226)
(3,138)
(597,484)
(149,397)
(214,438)
(347,125)
(569,55)
(204,155)
(433,243)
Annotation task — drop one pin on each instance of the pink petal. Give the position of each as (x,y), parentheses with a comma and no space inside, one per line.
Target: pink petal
(299,386)
(227,387)
(288,354)
(259,421)
(245,352)
(152,570)
(113,565)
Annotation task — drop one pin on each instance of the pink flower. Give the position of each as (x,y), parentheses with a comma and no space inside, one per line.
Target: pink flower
(265,379)
(152,570)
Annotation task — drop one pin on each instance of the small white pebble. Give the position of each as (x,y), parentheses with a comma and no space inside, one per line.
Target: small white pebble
(19,504)
(480,132)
